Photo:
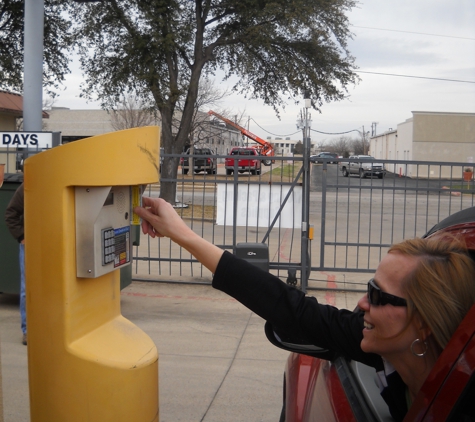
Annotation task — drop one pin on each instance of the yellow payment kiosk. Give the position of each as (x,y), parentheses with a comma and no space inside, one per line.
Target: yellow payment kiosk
(86,362)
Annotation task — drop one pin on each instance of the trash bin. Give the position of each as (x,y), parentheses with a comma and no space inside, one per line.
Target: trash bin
(9,260)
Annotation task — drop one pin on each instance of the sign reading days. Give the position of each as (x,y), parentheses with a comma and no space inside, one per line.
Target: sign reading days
(27,139)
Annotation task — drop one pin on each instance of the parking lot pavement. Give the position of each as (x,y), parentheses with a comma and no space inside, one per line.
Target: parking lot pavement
(215,363)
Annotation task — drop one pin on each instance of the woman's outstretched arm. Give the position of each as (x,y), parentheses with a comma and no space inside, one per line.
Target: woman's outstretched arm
(160,219)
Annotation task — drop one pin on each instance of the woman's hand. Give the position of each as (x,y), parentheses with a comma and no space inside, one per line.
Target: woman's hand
(160,219)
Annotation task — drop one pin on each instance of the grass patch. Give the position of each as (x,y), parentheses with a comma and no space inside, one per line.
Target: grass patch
(465,186)
(197,212)
(286,171)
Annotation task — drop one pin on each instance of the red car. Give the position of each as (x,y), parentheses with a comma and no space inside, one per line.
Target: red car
(322,387)
(249,160)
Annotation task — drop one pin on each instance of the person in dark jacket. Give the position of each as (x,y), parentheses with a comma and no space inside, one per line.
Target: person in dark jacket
(14,218)
(421,291)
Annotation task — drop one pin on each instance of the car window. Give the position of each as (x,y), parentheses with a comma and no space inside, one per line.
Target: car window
(464,410)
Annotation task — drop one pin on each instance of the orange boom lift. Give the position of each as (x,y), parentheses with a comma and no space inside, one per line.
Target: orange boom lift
(265,148)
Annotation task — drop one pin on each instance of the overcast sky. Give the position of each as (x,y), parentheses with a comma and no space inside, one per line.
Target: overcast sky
(424,38)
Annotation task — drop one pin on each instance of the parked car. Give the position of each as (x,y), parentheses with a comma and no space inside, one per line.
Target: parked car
(202,159)
(249,160)
(367,167)
(314,158)
(320,386)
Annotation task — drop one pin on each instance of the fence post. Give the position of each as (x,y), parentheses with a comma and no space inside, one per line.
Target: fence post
(304,252)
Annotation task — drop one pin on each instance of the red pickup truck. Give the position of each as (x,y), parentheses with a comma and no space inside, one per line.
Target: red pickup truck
(249,160)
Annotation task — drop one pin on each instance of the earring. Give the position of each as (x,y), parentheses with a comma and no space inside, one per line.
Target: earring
(420,355)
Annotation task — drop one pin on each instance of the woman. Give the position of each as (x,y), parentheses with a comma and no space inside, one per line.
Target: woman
(420,293)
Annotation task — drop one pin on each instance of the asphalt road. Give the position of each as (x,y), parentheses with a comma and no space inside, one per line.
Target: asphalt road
(335,179)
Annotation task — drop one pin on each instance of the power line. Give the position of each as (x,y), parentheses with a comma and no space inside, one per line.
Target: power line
(416,77)
(313,130)
(335,133)
(412,32)
(270,133)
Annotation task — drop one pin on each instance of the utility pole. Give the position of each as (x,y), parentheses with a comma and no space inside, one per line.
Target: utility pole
(373,128)
(364,142)
(33,66)
(304,250)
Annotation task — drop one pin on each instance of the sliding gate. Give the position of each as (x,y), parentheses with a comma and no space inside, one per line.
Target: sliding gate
(351,221)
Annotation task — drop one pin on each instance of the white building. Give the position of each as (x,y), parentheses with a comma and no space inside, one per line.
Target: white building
(78,124)
(285,146)
(428,136)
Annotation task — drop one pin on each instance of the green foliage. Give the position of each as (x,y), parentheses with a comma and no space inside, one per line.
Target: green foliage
(159,49)
(57,41)
(277,48)
(298,148)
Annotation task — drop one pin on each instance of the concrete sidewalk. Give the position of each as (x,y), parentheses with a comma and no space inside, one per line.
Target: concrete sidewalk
(215,363)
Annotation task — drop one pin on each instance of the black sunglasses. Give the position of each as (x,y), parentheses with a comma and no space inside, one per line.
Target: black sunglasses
(378,297)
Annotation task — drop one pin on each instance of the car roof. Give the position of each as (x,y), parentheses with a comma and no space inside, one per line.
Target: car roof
(460,225)
(461,217)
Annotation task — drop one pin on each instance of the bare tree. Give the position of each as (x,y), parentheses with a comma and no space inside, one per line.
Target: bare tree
(360,146)
(132,112)
(218,126)
(341,146)
(209,96)
(321,146)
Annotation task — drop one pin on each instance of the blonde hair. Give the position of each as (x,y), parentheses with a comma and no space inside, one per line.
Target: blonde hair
(441,290)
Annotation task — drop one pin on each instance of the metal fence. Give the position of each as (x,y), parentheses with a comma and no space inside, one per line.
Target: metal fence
(354,219)
(360,218)
(227,210)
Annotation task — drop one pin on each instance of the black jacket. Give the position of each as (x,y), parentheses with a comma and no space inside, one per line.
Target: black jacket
(298,318)
(14,215)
